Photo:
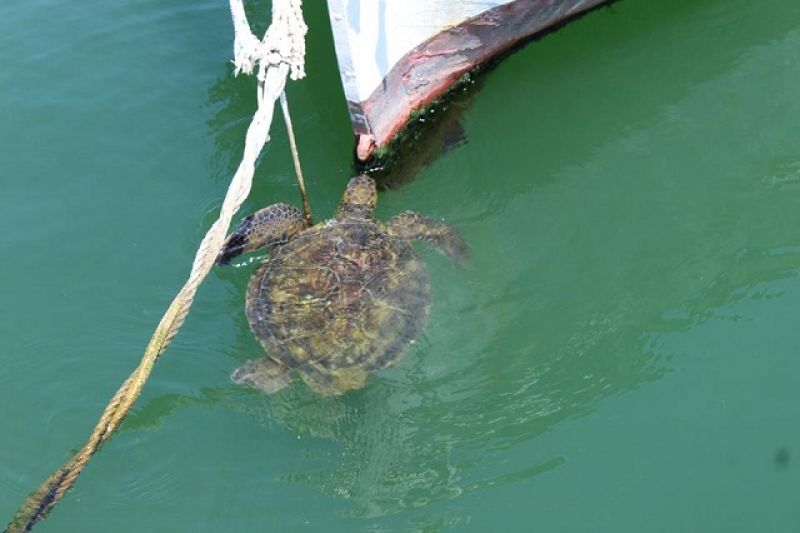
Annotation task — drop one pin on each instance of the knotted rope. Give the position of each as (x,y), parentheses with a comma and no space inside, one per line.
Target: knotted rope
(280,52)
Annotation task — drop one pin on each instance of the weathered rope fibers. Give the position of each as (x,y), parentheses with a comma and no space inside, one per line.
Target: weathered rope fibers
(280,53)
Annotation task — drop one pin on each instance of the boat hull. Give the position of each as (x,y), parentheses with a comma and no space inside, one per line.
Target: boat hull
(398,56)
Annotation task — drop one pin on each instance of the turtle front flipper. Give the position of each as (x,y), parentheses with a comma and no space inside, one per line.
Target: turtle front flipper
(272,225)
(414,226)
(263,373)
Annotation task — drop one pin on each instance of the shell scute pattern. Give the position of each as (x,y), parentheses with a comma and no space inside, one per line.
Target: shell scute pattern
(340,296)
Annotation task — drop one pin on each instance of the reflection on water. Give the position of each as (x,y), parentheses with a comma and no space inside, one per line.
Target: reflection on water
(628,188)
(406,441)
(570,295)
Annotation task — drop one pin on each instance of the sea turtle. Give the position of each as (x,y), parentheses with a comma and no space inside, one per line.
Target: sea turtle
(339,299)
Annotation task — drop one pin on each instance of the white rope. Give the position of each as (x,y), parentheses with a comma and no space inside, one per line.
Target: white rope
(275,59)
(283,42)
(281,51)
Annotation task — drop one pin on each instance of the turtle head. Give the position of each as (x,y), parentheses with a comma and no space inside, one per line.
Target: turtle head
(359,198)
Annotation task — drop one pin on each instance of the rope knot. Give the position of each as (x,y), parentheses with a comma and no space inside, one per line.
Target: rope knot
(284,41)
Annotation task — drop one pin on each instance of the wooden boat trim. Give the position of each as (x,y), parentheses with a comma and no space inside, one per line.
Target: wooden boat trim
(428,70)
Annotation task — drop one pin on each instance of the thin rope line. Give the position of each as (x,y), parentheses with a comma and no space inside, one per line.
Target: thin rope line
(296,158)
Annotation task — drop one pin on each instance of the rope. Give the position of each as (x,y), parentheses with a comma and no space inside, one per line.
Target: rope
(281,52)
(296,158)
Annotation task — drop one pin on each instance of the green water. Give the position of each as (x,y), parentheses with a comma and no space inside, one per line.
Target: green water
(620,354)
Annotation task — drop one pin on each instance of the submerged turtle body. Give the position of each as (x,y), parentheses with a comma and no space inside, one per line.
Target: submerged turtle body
(338,300)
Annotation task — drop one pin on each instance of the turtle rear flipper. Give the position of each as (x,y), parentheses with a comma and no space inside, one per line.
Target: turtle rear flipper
(272,225)
(414,226)
(264,374)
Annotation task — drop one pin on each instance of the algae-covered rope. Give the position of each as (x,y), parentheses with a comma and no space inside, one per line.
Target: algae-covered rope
(296,158)
(280,52)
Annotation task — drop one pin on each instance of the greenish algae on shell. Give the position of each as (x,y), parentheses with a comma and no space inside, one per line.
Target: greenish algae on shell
(338,300)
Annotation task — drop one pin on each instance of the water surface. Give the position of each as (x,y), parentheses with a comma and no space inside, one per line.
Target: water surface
(620,354)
